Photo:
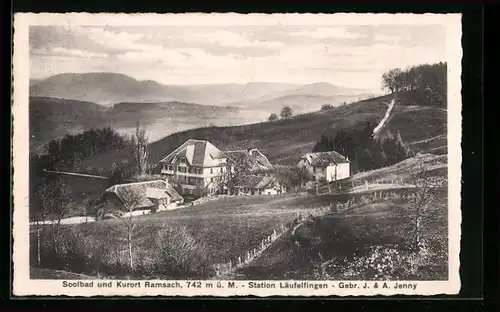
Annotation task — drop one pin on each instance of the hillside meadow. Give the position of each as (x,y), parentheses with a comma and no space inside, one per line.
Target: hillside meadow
(283,141)
(223,229)
(220,230)
(339,246)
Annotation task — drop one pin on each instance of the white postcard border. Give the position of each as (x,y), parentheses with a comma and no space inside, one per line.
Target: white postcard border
(24,286)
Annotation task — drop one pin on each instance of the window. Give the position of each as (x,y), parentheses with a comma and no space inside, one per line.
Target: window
(314,169)
(211,170)
(211,179)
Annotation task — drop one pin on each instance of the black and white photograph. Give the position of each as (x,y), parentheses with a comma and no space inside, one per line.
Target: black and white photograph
(228,154)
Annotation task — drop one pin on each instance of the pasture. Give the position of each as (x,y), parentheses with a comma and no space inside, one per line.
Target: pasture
(222,229)
(228,226)
(346,236)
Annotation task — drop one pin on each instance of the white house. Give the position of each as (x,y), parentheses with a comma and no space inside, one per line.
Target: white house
(330,166)
(196,165)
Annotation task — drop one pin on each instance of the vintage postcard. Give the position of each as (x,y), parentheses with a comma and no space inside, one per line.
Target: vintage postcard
(236,154)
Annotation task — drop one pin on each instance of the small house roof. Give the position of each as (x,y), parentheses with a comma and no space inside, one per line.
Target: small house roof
(138,195)
(325,158)
(253,181)
(252,159)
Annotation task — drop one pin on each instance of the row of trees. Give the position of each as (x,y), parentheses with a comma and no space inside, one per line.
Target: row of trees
(70,150)
(364,152)
(52,195)
(286,112)
(427,82)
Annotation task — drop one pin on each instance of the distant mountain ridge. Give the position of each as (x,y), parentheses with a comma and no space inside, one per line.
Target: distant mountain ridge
(110,88)
(52,118)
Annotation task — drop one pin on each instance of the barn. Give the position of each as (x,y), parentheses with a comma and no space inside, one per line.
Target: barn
(141,197)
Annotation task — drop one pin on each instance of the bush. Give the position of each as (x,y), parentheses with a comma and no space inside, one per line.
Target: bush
(392,262)
(100,250)
(178,254)
(326,107)
(273,117)
(286,112)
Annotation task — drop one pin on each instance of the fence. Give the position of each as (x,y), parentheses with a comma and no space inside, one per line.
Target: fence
(345,187)
(230,267)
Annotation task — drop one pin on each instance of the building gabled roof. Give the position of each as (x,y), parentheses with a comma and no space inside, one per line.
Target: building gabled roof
(138,195)
(252,159)
(196,152)
(253,181)
(325,158)
(265,183)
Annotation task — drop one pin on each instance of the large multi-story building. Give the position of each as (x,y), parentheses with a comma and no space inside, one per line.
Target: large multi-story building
(196,167)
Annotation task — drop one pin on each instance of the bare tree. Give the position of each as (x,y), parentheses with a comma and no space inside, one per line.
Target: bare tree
(130,225)
(140,149)
(420,204)
(54,198)
(40,213)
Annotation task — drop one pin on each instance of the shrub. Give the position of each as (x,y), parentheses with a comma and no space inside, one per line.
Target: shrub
(273,117)
(178,254)
(392,262)
(326,107)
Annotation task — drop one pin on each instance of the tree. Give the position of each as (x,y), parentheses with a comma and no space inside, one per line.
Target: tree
(391,80)
(122,172)
(55,196)
(326,107)
(140,149)
(130,225)
(419,208)
(286,112)
(273,117)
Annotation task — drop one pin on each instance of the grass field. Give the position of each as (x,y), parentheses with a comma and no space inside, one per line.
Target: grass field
(229,226)
(225,227)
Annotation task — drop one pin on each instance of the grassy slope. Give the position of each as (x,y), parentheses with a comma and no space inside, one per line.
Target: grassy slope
(343,233)
(437,166)
(65,116)
(229,226)
(283,141)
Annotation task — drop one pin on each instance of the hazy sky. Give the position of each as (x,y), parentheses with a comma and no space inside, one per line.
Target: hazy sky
(352,56)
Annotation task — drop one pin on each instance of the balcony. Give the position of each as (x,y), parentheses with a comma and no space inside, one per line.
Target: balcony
(179,173)
(166,171)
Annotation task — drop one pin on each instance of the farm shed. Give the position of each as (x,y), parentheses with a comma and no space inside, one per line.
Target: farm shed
(141,197)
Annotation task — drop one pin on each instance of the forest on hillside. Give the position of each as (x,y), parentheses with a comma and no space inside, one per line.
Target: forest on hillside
(423,85)
(418,85)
